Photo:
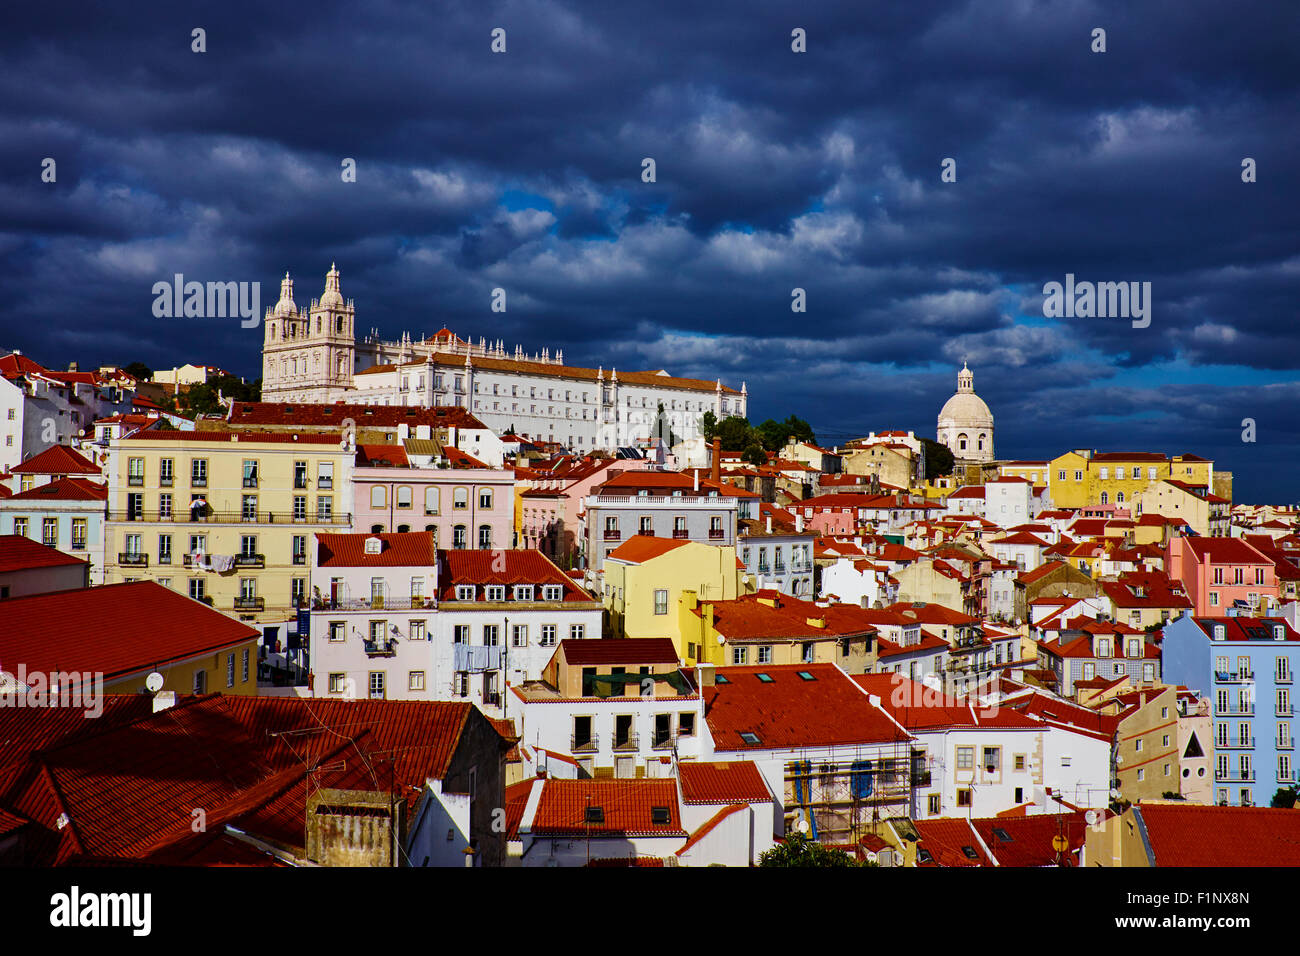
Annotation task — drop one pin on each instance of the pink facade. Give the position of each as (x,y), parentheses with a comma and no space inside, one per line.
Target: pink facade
(468,508)
(551,508)
(1216,572)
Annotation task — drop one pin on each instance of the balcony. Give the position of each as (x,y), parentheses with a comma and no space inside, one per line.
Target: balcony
(613,535)
(133,559)
(135,480)
(163,557)
(384,648)
(300,559)
(387,603)
(205,515)
(584,744)
(646,532)
(661,742)
(197,482)
(1241,710)
(250,561)
(1282,678)
(1284,710)
(325,483)
(629,741)
(165,481)
(250,604)
(1236,743)
(1286,776)
(1235,777)
(716,534)
(1225,677)
(250,481)
(1285,744)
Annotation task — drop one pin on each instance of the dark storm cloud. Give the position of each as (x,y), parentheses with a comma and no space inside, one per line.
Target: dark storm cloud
(774,171)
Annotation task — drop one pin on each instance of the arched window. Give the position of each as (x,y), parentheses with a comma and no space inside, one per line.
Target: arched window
(1119,497)
(484,536)
(376,529)
(403,528)
(981,441)
(961,442)
(378,498)
(1105,498)
(431,501)
(458,537)
(460,499)
(403,496)
(338,325)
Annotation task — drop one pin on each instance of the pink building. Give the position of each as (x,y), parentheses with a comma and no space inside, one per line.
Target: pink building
(551,507)
(464,507)
(1216,572)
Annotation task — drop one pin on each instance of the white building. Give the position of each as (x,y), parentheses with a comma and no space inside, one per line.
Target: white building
(310,354)
(394,617)
(965,422)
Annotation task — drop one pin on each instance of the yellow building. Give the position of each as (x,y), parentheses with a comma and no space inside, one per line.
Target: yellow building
(928,582)
(1206,513)
(772,628)
(1034,472)
(1083,478)
(645,577)
(225,518)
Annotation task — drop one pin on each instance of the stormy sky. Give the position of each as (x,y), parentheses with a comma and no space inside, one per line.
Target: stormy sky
(775,170)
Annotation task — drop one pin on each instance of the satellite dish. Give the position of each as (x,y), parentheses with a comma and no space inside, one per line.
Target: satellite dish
(721,639)
(154,682)
(1091,817)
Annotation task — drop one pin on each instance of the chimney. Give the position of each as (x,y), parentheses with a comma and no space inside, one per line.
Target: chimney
(798,523)
(769,524)
(163,700)
(705,674)
(716,472)
(697,479)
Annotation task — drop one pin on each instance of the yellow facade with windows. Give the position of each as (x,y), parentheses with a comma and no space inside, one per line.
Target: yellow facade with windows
(225,518)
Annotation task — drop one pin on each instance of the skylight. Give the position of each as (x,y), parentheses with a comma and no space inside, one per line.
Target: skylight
(1002,834)
(749,738)
(765,678)
(970,853)
(595,814)
(721,680)
(659,815)
(806,676)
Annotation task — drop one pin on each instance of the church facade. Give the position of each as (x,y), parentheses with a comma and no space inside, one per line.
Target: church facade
(311,355)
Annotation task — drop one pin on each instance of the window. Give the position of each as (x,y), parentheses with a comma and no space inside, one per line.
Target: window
(377,685)
(403,496)
(230,670)
(378,496)
(552,592)
(548,635)
(164,549)
(765,654)
(740,655)
(135,471)
(460,499)
(519,635)
(523,592)
(431,501)
(464,592)
(965,758)
(461,634)
(324,507)
(992,759)
(484,537)
(485,498)
(661,601)
(50,532)
(325,474)
(458,534)
(963,798)
(300,507)
(491,635)
(415,680)
(200,682)
(1019,762)
(300,474)
(577,632)
(78,534)
(199,473)
(20,527)
(419,630)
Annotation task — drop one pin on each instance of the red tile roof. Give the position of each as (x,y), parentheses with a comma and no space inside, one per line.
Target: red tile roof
(398,550)
(1192,835)
(309,414)
(1225,551)
(732,781)
(20,553)
(791,712)
(643,547)
(747,618)
(626,804)
(919,708)
(950,842)
(275,438)
(56,460)
(65,489)
(619,650)
(1025,841)
(115,629)
(1246,628)
(502,566)
(382,456)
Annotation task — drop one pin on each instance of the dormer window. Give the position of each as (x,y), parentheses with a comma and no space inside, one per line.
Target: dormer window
(464,592)
(495,592)
(523,592)
(1220,632)
(552,592)
(374,546)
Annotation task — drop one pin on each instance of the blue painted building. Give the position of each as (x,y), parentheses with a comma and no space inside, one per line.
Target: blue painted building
(1246,667)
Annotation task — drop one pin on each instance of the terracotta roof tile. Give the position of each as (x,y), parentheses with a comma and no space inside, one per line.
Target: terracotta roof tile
(733,781)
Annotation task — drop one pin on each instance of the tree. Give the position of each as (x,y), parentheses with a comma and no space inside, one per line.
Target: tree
(754,454)
(735,433)
(798,850)
(1285,798)
(708,425)
(141,371)
(938,459)
(774,434)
